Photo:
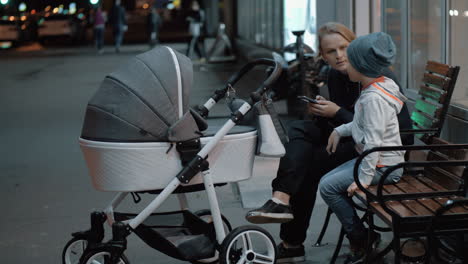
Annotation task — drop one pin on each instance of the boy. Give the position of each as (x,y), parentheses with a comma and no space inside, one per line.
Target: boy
(374,124)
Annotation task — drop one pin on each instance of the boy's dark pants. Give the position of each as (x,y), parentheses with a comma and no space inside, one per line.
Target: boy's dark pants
(300,170)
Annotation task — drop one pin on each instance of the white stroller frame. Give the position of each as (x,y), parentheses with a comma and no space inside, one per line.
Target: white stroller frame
(196,165)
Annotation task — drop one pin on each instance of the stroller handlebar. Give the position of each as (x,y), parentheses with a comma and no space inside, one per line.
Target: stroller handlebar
(256,95)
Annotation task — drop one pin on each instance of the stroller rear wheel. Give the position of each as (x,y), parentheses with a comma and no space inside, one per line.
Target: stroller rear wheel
(73,250)
(206,216)
(248,244)
(100,256)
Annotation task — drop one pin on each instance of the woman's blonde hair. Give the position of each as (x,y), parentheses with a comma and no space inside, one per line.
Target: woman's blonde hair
(334,28)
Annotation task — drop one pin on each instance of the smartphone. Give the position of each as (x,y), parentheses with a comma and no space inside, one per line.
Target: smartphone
(307,99)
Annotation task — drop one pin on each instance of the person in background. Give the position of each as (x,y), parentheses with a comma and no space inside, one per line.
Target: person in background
(306,160)
(374,124)
(99,27)
(119,23)
(196,17)
(154,23)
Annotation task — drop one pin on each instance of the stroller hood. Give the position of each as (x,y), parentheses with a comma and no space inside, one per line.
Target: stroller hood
(147,99)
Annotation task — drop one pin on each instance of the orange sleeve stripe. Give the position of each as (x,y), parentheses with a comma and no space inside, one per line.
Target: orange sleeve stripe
(387,93)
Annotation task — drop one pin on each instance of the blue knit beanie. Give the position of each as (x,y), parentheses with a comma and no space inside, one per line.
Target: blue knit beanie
(372,53)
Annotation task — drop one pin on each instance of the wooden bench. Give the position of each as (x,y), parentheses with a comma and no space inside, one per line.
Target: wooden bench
(409,206)
(428,116)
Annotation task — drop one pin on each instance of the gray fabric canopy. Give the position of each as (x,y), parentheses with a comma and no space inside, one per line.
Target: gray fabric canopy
(147,99)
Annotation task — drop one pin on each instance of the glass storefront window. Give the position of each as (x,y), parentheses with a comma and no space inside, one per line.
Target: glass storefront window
(300,15)
(259,22)
(458,37)
(392,26)
(425,38)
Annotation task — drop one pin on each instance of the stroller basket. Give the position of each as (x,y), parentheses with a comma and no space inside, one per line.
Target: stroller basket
(180,234)
(144,166)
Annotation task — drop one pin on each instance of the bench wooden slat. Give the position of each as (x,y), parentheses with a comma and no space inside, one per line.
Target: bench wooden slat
(429,108)
(456,171)
(448,180)
(422,120)
(400,208)
(431,184)
(430,204)
(459,209)
(433,181)
(381,212)
(433,93)
(373,189)
(391,188)
(416,183)
(456,154)
(443,200)
(406,187)
(439,68)
(416,207)
(436,80)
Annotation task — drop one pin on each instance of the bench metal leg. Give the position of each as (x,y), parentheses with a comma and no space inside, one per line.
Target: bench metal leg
(370,222)
(396,247)
(338,246)
(318,243)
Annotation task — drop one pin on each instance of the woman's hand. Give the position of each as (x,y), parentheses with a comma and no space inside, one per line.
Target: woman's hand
(333,142)
(324,108)
(353,187)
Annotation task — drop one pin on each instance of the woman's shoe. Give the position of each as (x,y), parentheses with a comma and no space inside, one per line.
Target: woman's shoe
(270,212)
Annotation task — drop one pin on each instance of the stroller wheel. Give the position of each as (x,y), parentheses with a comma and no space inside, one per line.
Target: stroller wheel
(248,244)
(205,215)
(101,257)
(73,250)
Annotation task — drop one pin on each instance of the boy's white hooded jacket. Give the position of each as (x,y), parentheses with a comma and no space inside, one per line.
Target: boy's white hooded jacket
(375,124)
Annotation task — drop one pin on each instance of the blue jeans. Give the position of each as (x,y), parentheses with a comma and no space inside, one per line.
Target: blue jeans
(99,37)
(118,37)
(333,189)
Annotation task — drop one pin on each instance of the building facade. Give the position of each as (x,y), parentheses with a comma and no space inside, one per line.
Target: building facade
(422,30)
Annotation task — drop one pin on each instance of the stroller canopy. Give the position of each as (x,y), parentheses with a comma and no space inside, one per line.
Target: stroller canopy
(147,99)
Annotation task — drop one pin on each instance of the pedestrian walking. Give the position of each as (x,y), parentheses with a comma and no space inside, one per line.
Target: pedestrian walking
(154,23)
(119,24)
(99,28)
(196,18)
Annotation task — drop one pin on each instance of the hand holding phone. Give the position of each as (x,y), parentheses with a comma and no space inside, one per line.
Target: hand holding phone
(307,99)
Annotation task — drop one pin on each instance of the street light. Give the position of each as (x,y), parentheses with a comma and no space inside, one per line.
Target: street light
(93,2)
(22,7)
(3,2)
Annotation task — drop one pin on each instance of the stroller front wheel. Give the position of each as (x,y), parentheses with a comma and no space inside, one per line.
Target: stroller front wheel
(73,250)
(248,244)
(101,257)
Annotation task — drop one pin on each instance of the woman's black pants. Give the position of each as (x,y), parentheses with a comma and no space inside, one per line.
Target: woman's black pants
(300,170)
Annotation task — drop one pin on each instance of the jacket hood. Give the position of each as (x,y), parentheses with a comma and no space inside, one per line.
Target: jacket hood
(391,93)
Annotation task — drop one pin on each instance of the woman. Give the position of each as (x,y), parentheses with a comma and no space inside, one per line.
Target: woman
(99,27)
(306,159)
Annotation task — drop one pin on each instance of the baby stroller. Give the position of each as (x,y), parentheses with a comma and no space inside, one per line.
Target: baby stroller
(140,136)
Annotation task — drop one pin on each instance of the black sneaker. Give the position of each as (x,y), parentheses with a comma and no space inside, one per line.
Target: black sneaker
(289,255)
(270,212)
